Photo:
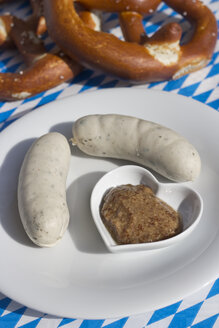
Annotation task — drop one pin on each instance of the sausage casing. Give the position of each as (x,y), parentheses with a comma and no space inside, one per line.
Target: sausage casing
(42,191)
(144,142)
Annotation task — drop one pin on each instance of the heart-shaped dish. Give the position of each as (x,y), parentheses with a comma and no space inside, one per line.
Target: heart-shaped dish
(180,197)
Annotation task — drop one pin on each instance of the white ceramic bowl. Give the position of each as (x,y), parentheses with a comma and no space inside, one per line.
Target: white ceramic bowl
(181,197)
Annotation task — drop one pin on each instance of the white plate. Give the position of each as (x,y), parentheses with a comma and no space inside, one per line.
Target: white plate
(80,278)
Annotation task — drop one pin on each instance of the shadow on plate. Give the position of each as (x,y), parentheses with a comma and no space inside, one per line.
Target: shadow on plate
(9,172)
(82,228)
(64,128)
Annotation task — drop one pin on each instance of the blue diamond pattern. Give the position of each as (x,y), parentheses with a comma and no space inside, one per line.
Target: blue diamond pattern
(5,115)
(203,96)
(4,62)
(4,304)
(214,70)
(11,319)
(152,28)
(111,17)
(154,85)
(162,7)
(214,290)
(32,324)
(48,98)
(208,323)
(117,324)
(186,317)
(39,95)
(11,69)
(93,82)
(91,323)
(175,84)
(65,321)
(164,312)
(214,57)
(7,123)
(84,75)
(189,91)
(214,104)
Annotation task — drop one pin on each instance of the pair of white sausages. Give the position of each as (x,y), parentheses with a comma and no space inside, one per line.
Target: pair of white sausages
(41,188)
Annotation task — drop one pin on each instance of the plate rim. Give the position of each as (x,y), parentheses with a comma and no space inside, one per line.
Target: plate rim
(107,90)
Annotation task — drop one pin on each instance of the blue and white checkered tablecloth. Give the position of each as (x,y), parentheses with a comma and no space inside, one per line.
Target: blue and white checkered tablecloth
(200,310)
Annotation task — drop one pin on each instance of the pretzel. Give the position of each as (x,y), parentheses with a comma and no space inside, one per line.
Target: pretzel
(44,70)
(38,19)
(158,58)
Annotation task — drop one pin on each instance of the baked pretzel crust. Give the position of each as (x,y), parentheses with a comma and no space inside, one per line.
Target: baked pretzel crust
(156,60)
(43,70)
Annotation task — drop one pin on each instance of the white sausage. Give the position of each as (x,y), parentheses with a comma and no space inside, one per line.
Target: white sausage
(144,142)
(41,189)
